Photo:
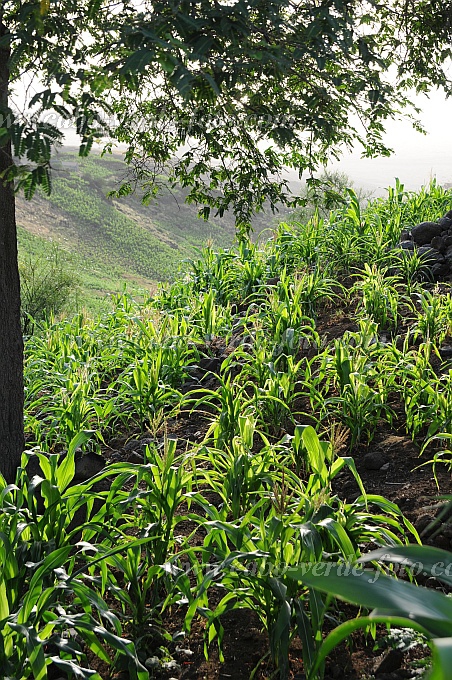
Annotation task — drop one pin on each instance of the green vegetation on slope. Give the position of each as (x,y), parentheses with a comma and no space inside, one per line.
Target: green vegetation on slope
(105,233)
(109,242)
(244,410)
(95,279)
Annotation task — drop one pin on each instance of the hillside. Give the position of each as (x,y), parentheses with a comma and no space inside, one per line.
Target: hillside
(110,242)
(209,468)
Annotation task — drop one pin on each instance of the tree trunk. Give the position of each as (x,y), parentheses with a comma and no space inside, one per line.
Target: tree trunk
(11,343)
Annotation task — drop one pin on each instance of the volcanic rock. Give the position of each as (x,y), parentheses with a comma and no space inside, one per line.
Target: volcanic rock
(373,461)
(429,255)
(445,222)
(424,232)
(407,245)
(439,243)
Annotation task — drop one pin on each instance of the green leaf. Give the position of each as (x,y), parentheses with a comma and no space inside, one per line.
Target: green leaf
(35,649)
(138,61)
(305,632)
(280,636)
(340,536)
(314,449)
(345,630)
(350,463)
(4,605)
(442,659)
(70,667)
(65,472)
(109,553)
(429,560)
(373,590)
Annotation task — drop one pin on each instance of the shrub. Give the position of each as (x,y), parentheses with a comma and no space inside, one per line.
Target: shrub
(47,288)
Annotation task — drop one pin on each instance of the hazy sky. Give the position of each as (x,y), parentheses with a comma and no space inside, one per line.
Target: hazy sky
(416,157)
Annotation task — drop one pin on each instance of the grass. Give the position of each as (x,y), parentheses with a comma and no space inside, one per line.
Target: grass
(112,242)
(96,281)
(224,518)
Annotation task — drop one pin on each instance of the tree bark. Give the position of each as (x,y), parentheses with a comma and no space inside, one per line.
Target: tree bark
(11,342)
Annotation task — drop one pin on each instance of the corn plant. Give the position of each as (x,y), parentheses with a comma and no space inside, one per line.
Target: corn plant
(349,236)
(300,295)
(315,379)
(250,270)
(249,557)
(42,597)
(39,632)
(434,319)
(150,506)
(229,402)
(145,389)
(167,479)
(79,373)
(135,576)
(212,271)
(209,319)
(393,602)
(297,243)
(238,475)
(130,577)
(429,406)
(443,453)
(423,392)
(359,407)
(412,269)
(49,498)
(274,400)
(380,298)
(319,459)
(362,393)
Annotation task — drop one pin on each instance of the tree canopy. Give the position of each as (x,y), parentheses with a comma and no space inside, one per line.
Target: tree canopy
(221,96)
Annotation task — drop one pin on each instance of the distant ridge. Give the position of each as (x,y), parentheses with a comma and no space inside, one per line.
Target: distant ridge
(119,238)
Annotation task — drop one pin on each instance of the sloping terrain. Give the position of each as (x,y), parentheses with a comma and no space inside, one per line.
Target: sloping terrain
(116,240)
(268,420)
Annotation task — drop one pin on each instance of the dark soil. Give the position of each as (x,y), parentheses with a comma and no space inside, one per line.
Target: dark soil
(401,478)
(414,489)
